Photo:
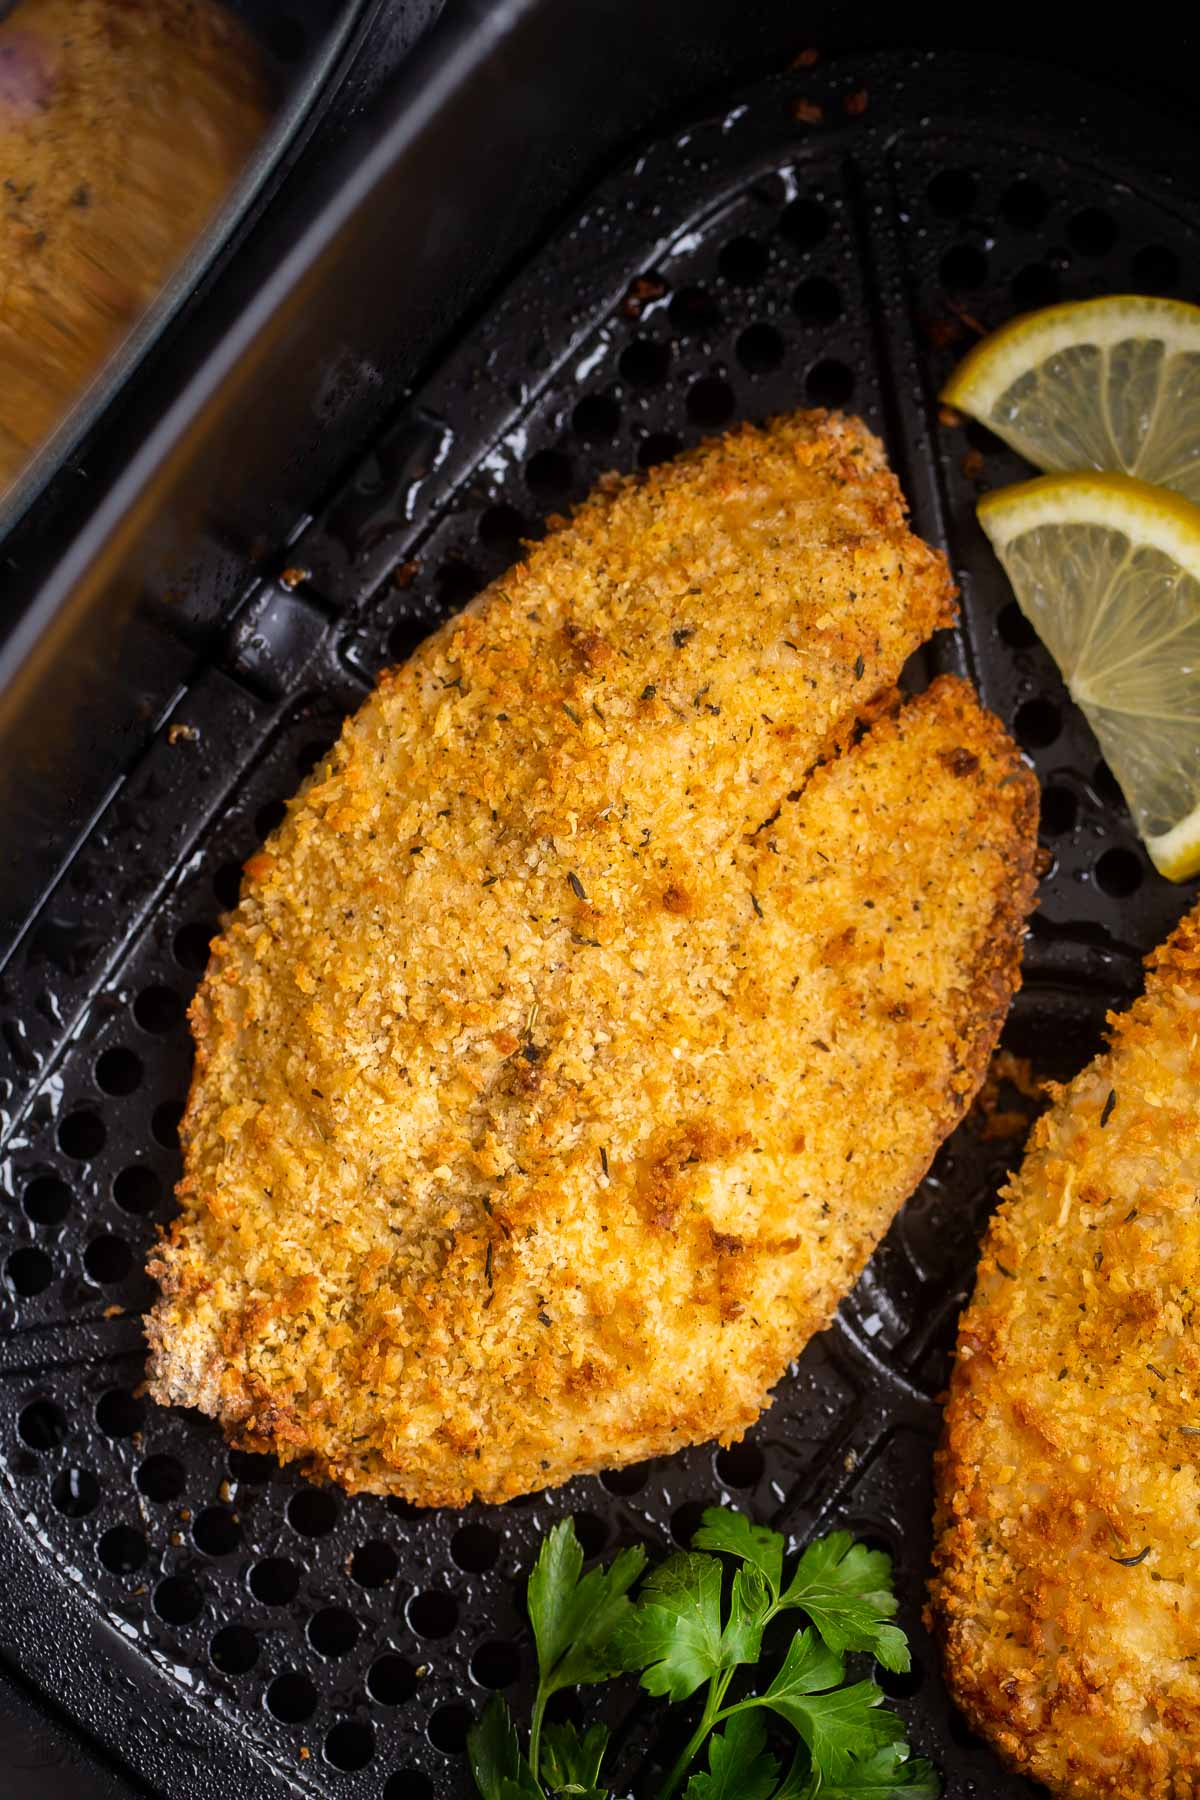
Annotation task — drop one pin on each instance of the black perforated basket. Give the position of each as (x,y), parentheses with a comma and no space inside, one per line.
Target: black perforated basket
(836,235)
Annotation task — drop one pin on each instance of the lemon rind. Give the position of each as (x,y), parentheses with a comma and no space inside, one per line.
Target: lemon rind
(1176,853)
(1156,517)
(991,368)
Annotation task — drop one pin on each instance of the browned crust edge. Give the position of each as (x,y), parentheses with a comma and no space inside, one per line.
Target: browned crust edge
(950,1605)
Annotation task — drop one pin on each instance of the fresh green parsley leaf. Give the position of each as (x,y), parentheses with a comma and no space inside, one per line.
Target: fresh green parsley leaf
(739,1764)
(723,1529)
(887,1775)
(570,1762)
(837,1725)
(673,1633)
(678,1637)
(846,1591)
(500,1771)
(749,1603)
(574,1619)
(808,1668)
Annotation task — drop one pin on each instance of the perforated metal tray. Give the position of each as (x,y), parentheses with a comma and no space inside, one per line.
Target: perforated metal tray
(225,1626)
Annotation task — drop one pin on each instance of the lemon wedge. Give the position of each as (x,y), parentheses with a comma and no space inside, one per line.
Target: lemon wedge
(1098,384)
(1107,569)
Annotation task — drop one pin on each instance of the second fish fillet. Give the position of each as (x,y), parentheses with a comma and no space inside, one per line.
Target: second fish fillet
(1068,1493)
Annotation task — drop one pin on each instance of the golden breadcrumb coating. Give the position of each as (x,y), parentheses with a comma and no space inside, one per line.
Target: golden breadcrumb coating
(575,1039)
(1068,1513)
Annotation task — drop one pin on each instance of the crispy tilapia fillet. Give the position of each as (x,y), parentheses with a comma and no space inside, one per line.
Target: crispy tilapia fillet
(579,1032)
(1068,1521)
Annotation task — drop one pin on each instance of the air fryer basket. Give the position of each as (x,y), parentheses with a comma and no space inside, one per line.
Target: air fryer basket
(227,1626)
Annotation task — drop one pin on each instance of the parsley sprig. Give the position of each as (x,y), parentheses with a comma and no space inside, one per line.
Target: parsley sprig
(682,1634)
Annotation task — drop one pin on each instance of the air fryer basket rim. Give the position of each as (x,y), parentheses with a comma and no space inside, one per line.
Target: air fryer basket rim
(160,1735)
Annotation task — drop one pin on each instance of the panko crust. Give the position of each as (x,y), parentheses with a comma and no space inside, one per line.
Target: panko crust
(1072,1432)
(579,1032)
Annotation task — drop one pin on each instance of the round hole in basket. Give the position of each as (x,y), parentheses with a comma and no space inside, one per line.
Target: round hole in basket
(75,1493)
(291,1698)
(333,1632)
(190,945)
(350,1745)
(138,1190)
(119,1413)
(82,1135)
(118,1071)
(433,1614)
(475,1547)
(162,1478)
(122,1550)
(178,1600)
(275,1581)
(1119,872)
(233,1650)
(829,382)
(46,1200)
(29,1271)
(448,1727)
(216,1531)
(374,1565)
(392,1680)
(645,362)
(740,1465)
(496,1664)
(108,1259)
(629,1480)
(710,402)
(159,1009)
(591,1531)
(312,1512)
(42,1425)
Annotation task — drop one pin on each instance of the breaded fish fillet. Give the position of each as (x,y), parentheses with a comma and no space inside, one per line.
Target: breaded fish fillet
(575,1040)
(1069,1478)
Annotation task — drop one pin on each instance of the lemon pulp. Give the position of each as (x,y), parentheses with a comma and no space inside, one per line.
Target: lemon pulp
(1096,384)
(1107,569)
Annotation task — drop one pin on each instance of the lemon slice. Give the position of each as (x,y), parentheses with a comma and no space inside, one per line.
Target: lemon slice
(1101,384)
(1108,571)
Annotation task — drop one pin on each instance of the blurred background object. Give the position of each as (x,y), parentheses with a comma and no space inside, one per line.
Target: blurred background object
(124,124)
